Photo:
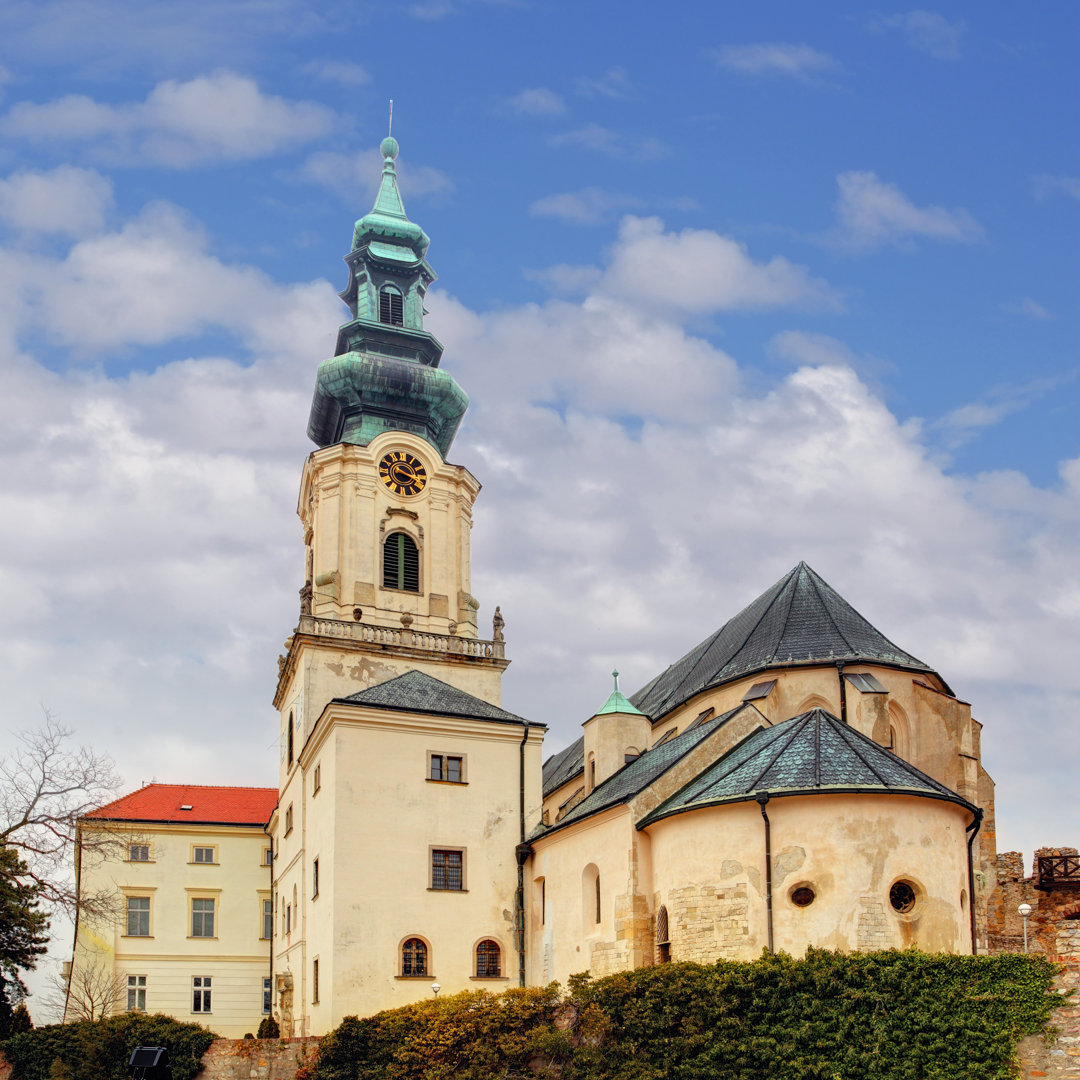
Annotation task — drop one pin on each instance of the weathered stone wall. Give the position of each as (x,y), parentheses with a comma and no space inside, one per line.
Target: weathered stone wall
(256,1059)
(1054,931)
(708,922)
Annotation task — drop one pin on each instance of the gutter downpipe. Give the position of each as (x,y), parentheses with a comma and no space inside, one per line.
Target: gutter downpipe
(273,919)
(973,829)
(523,852)
(762,798)
(843,692)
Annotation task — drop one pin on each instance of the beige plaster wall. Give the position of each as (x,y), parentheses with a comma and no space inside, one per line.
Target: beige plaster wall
(237,959)
(372,826)
(608,738)
(347,513)
(709,869)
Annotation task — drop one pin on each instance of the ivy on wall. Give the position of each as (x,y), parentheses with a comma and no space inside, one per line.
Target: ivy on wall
(831,1016)
(101,1049)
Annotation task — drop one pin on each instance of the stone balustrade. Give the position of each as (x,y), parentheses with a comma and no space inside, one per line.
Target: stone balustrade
(405,637)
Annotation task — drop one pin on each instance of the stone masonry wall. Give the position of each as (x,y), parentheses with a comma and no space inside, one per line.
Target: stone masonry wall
(1054,931)
(708,922)
(256,1059)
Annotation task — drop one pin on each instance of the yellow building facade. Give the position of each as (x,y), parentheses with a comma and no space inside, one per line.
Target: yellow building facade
(188,930)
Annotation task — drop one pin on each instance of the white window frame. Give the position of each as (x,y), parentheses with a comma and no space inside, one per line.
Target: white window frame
(201,994)
(136,993)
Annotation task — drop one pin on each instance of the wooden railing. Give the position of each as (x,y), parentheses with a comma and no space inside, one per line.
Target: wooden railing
(450,644)
(1058,872)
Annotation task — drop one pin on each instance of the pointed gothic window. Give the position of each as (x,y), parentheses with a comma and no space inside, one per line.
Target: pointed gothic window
(401,563)
(391,306)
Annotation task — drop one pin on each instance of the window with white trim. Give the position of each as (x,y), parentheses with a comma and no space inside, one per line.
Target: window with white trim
(136,993)
(204,855)
(202,917)
(138,916)
(138,852)
(267,996)
(267,918)
(200,994)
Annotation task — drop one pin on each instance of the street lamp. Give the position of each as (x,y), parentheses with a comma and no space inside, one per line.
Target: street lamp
(1025,911)
(435,987)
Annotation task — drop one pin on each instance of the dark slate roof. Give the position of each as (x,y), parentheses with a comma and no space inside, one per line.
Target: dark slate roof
(800,620)
(810,754)
(562,766)
(638,774)
(416,692)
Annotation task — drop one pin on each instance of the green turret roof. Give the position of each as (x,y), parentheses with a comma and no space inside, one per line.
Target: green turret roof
(384,375)
(617,702)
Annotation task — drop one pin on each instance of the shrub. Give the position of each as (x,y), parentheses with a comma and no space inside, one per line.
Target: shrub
(100,1049)
(268,1028)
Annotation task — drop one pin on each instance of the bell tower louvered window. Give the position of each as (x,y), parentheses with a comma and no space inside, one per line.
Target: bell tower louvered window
(391,306)
(401,563)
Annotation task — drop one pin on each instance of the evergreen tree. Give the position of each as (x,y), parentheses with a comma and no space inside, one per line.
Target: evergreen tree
(24,934)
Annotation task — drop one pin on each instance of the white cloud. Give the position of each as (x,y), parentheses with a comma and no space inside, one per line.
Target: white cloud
(614,83)
(614,144)
(774,58)
(1031,308)
(589,206)
(1045,185)
(538,101)
(358,174)
(698,271)
(927,31)
(966,422)
(342,72)
(66,200)
(220,117)
(872,213)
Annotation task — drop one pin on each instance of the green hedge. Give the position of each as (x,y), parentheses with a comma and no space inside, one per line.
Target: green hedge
(877,1016)
(100,1049)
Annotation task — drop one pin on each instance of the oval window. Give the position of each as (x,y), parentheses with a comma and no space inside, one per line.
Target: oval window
(803,896)
(902,897)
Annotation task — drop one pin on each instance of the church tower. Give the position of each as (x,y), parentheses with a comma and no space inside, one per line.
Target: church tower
(386,518)
(405,790)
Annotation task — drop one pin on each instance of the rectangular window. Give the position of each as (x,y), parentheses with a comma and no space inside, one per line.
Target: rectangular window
(314,982)
(200,994)
(446,869)
(203,855)
(447,768)
(138,853)
(267,919)
(314,878)
(268,856)
(136,993)
(266,997)
(316,782)
(288,819)
(202,918)
(138,916)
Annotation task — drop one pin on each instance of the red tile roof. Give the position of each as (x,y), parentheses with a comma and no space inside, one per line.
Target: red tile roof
(209,805)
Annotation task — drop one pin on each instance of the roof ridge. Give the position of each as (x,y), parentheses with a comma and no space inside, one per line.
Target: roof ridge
(783,583)
(856,750)
(814,578)
(796,730)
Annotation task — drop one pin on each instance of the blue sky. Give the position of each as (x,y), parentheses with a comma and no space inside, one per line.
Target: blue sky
(825,253)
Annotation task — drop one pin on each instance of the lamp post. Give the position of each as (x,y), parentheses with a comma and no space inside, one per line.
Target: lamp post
(1025,911)
(435,987)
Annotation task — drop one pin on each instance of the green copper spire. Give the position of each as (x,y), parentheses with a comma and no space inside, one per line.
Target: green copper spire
(385,373)
(617,702)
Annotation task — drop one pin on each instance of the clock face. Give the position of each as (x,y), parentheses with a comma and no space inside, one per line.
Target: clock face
(402,473)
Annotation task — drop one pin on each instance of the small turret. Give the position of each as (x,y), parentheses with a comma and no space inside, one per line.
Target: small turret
(615,734)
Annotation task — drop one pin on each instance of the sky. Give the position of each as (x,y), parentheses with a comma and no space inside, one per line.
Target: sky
(728,286)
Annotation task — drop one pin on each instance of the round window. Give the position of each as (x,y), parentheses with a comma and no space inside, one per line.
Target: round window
(803,896)
(902,897)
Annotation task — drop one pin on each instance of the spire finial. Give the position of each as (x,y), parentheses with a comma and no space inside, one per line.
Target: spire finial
(390,126)
(615,676)
(389,146)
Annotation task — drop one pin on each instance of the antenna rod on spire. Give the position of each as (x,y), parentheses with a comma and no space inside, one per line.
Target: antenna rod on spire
(390,126)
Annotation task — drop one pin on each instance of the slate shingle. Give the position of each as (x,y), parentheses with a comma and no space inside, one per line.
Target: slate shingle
(800,620)
(416,692)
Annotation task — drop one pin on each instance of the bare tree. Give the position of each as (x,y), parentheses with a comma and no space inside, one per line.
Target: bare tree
(46,785)
(91,989)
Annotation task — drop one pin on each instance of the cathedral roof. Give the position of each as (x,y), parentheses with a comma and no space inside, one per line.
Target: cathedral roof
(195,803)
(638,774)
(800,620)
(811,754)
(416,692)
(564,765)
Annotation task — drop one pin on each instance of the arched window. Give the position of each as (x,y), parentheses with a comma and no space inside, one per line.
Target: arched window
(899,741)
(590,898)
(663,936)
(401,563)
(289,738)
(488,960)
(414,957)
(391,306)
(592,772)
